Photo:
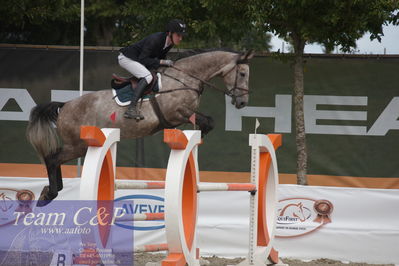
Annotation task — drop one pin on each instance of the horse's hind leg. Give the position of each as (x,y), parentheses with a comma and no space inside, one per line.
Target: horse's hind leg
(60,185)
(50,192)
(53,163)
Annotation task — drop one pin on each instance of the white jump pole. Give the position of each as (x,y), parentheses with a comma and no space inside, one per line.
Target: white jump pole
(82,37)
(81,53)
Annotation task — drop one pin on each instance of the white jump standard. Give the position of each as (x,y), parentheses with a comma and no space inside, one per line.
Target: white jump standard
(180,190)
(181,187)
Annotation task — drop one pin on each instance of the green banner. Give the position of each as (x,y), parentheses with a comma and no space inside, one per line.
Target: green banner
(351,111)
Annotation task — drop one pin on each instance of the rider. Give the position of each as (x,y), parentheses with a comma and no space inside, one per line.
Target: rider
(149,53)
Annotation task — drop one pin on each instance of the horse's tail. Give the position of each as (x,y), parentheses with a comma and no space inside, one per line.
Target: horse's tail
(41,131)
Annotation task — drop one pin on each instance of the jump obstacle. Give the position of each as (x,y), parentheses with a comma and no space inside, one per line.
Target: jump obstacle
(181,186)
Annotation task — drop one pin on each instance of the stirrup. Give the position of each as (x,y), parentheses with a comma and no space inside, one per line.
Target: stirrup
(133,114)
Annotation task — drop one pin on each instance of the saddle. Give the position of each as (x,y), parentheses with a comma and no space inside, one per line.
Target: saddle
(119,82)
(123,87)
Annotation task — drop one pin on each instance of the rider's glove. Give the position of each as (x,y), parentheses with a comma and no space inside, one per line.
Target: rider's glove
(167,62)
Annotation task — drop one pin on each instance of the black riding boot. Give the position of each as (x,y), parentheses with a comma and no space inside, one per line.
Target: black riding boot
(132,111)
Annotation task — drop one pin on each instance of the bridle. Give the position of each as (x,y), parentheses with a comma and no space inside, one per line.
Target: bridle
(235,87)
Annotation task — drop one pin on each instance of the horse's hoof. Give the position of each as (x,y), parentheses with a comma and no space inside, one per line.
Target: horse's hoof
(45,197)
(42,203)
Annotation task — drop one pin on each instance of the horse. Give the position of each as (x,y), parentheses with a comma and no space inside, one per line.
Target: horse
(54,128)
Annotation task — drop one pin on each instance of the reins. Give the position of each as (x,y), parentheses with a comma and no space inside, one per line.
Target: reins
(199,79)
(227,92)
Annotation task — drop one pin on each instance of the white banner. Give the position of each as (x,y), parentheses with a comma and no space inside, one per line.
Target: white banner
(347,224)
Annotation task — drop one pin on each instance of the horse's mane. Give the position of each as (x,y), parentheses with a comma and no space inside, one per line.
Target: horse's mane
(191,52)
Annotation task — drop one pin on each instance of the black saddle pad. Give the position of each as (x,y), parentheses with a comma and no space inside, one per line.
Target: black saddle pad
(124,94)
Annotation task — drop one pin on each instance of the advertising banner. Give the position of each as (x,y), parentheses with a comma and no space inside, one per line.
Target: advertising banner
(346,224)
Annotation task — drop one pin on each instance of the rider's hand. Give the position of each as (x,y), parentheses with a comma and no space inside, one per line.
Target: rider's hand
(167,62)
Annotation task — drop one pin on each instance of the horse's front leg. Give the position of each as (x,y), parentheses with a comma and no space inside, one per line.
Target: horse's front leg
(205,123)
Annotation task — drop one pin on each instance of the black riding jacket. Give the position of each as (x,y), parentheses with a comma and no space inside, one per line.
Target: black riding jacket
(149,50)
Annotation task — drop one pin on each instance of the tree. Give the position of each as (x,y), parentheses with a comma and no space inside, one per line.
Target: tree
(211,23)
(328,22)
(121,22)
(27,21)
(58,22)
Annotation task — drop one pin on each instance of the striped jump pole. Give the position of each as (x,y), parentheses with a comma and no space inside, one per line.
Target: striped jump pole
(139,185)
(226,187)
(141,217)
(201,186)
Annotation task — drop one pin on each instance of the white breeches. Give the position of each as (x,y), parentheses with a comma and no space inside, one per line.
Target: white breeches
(135,68)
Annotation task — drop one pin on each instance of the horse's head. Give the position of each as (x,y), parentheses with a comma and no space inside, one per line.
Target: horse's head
(299,213)
(295,210)
(236,78)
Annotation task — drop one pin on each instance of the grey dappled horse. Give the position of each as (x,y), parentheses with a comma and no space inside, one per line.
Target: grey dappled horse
(54,128)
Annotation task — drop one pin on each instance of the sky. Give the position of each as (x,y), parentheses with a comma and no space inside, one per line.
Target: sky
(390,41)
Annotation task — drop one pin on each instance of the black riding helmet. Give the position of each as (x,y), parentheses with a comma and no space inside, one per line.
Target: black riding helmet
(176,25)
